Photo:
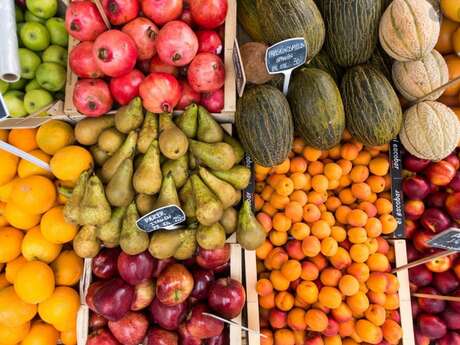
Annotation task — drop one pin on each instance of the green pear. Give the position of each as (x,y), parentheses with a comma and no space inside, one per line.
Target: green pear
(72,207)
(229,220)
(168,193)
(249,233)
(178,169)
(125,151)
(165,243)
(187,121)
(148,132)
(224,190)
(147,178)
(132,240)
(94,207)
(145,203)
(87,130)
(173,143)
(236,145)
(130,116)
(110,140)
(119,190)
(188,245)
(209,131)
(110,231)
(191,161)
(217,156)
(209,208)
(187,200)
(211,237)
(85,243)
(99,155)
(165,121)
(238,176)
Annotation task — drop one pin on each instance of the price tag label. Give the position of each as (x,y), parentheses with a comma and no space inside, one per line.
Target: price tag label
(239,69)
(448,240)
(285,56)
(3,109)
(167,217)
(396,186)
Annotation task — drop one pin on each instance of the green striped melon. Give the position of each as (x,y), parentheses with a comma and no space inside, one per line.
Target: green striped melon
(323,62)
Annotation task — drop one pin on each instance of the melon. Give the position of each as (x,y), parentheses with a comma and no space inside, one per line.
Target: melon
(415,79)
(430,130)
(409,29)
(249,19)
(323,62)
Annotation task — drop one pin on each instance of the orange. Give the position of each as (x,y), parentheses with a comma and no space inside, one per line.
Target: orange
(36,194)
(11,335)
(69,337)
(34,282)
(10,243)
(54,135)
(68,163)
(36,247)
(67,268)
(8,164)
(5,190)
(23,138)
(451,9)
(60,310)
(13,267)
(13,310)
(19,218)
(41,334)
(26,168)
(55,228)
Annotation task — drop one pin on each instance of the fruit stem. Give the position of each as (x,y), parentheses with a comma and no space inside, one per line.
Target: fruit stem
(104,54)
(151,33)
(176,57)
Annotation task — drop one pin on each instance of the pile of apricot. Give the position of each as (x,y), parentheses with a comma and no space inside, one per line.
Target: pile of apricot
(324,271)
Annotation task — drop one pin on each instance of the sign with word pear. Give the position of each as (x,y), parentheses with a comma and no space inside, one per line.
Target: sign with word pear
(167,217)
(285,56)
(448,240)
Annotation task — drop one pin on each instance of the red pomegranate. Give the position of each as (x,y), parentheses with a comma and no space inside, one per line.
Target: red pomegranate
(83,21)
(188,96)
(143,65)
(115,53)
(176,43)
(126,87)
(156,65)
(160,92)
(82,62)
(162,11)
(206,73)
(213,101)
(92,97)
(186,16)
(209,14)
(209,42)
(144,33)
(120,11)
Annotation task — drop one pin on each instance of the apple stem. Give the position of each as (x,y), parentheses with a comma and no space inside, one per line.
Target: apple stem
(234,324)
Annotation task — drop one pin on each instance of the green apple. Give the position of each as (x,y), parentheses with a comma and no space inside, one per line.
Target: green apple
(18,85)
(29,62)
(42,8)
(35,36)
(32,85)
(51,76)
(58,33)
(30,17)
(14,101)
(35,100)
(19,14)
(18,30)
(3,86)
(55,54)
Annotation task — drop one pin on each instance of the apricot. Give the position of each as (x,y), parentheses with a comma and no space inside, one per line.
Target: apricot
(391,301)
(378,262)
(349,341)
(377,297)
(276,258)
(368,332)
(329,246)
(330,276)
(372,244)
(311,246)
(300,303)
(392,332)
(377,282)
(294,249)
(299,231)
(359,252)
(307,291)
(347,328)
(296,319)
(279,281)
(284,301)
(314,340)
(332,328)
(299,337)
(316,320)
(348,285)
(383,246)
(284,337)
(309,271)
(342,313)
(338,233)
(321,229)
(268,339)
(277,318)
(264,287)
(333,340)
(357,235)
(358,303)
(267,301)
(363,287)
(291,270)
(393,283)
(341,259)
(375,314)
(320,261)
(330,297)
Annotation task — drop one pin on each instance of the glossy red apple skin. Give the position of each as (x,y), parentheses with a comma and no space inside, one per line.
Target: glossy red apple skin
(431,326)
(143,295)
(451,338)
(160,265)
(455,305)
(436,199)
(130,329)
(421,339)
(174,285)
(412,253)
(420,276)
(203,280)
(420,240)
(203,326)
(113,299)
(97,321)
(454,160)
(413,209)
(440,173)
(101,336)
(454,184)
(227,297)
(414,164)
(104,264)
(168,317)
(186,338)
(428,305)
(415,307)
(453,205)
(93,288)
(158,336)
(435,220)
(410,227)
(415,187)
(222,339)
(211,259)
(135,269)
(446,282)
(452,319)
(441,264)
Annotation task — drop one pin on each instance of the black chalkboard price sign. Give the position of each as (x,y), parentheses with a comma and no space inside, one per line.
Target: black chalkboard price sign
(448,240)
(3,109)
(396,186)
(162,218)
(283,57)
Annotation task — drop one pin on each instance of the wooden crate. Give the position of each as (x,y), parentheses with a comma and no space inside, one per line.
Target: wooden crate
(228,112)
(236,272)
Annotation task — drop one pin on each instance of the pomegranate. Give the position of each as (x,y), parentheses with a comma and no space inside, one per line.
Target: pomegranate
(120,11)
(160,92)
(188,96)
(186,16)
(441,173)
(92,97)
(213,101)
(209,42)
(82,63)
(83,21)
(156,65)
(115,53)
(206,73)
(177,44)
(415,187)
(144,33)
(162,11)
(126,87)
(209,14)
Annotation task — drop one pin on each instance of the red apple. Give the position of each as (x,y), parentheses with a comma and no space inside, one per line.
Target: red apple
(113,299)
(203,326)
(452,319)
(451,338)
(222,339)
(160,265)
(101,336)
(441,173)
(227,297)
(421,339)
(97,321)
(93,288)
(428,305)
(135,269)
(440,264)
(454,160)
(174,285)
(455,305)
(130,329)
(431,326)
(211,259)
(168,317)
(455,182)
(414,164)
(420,275)
(186,338)
(158,336)
(436,199)
(143,295)
(203,280)
(104,264)
(446,282)
(415,307)
(413,209)
(453,205)
(415,187)
(412,253)
(435,220)
(420,240)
